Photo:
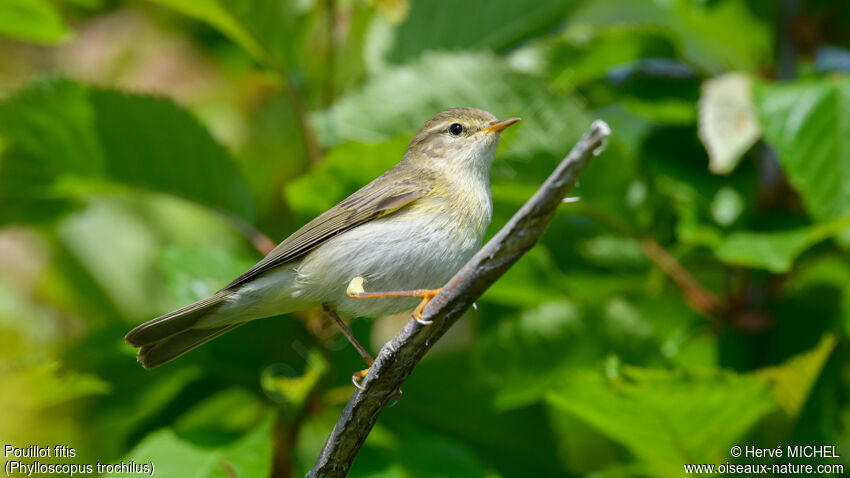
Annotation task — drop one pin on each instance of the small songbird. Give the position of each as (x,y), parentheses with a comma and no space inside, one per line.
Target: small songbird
(407,232)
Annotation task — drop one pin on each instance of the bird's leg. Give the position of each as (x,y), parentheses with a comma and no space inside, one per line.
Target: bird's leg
(355,291)
(356,376)
(425,294)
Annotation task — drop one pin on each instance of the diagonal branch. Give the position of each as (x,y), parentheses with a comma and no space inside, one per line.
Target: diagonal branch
(400,355)
(698,297)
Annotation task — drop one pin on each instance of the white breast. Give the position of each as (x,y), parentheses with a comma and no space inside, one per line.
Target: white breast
(417,248)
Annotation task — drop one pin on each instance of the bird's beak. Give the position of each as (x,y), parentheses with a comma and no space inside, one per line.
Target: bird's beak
(498,125)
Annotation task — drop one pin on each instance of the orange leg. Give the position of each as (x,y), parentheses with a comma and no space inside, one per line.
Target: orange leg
(425,294)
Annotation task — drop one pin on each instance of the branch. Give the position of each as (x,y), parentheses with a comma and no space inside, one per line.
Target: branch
(260,241)
(308,134)
(399,356)
(698,297)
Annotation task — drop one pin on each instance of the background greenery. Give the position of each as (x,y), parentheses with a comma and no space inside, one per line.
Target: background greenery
(696,297)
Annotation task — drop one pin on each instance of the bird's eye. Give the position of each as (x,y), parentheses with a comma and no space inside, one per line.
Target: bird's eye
(456,129)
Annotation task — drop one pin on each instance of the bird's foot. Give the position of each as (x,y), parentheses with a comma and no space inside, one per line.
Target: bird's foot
(426,297)
(355,291)
(356,377)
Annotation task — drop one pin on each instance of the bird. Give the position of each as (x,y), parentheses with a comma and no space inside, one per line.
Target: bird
(406,233)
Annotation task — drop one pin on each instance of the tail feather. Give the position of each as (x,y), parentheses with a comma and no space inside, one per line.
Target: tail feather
(172,323)
(173,334)
(156,354)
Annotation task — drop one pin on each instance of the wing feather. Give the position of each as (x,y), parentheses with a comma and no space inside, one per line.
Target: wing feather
(382,196)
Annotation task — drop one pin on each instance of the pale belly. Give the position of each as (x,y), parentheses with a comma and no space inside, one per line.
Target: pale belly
(391,254)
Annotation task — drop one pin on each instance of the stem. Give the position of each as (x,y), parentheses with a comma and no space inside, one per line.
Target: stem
(330,67)
(302,114)
(702,300)
(699,298)
(261,242)
(296,98)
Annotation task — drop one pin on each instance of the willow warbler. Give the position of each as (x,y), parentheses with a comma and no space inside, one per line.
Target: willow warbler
(407,231)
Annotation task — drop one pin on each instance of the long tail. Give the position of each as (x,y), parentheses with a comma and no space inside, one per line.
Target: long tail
(171,335)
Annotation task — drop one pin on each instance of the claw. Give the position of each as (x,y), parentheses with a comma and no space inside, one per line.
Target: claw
(357,376)
(398,394)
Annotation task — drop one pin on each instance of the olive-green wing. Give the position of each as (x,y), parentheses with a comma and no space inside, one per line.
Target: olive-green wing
(380,197)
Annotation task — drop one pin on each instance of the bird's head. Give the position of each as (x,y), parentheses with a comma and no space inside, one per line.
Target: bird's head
(457,139)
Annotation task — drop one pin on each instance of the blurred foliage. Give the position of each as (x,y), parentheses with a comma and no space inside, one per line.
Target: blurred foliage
(696,297)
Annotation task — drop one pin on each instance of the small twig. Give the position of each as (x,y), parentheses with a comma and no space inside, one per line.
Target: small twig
(302,115)
(330,65)
(296,98)
(400,355)
(701,300)
(261,242)
(228,468)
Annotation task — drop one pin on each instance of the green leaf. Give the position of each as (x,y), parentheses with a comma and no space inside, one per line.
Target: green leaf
(613,251)
(472,25)
(666,418)
(576,60)
(774,251)
(549,336)
(291,391)
(826,270)
(175,456)
(234,410)
(193,273)
(217,16)
(793,380)
(31,20)
(665,111)
(64,140)
(830,271)
(271,32)
(47,385)
(345,169)
(809,125)
(521,285)
(403,451)
(715,36)
(117,262)
(143,135)
(415,453)
(582,449)
(558,337)
(551,123)
(138,398)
